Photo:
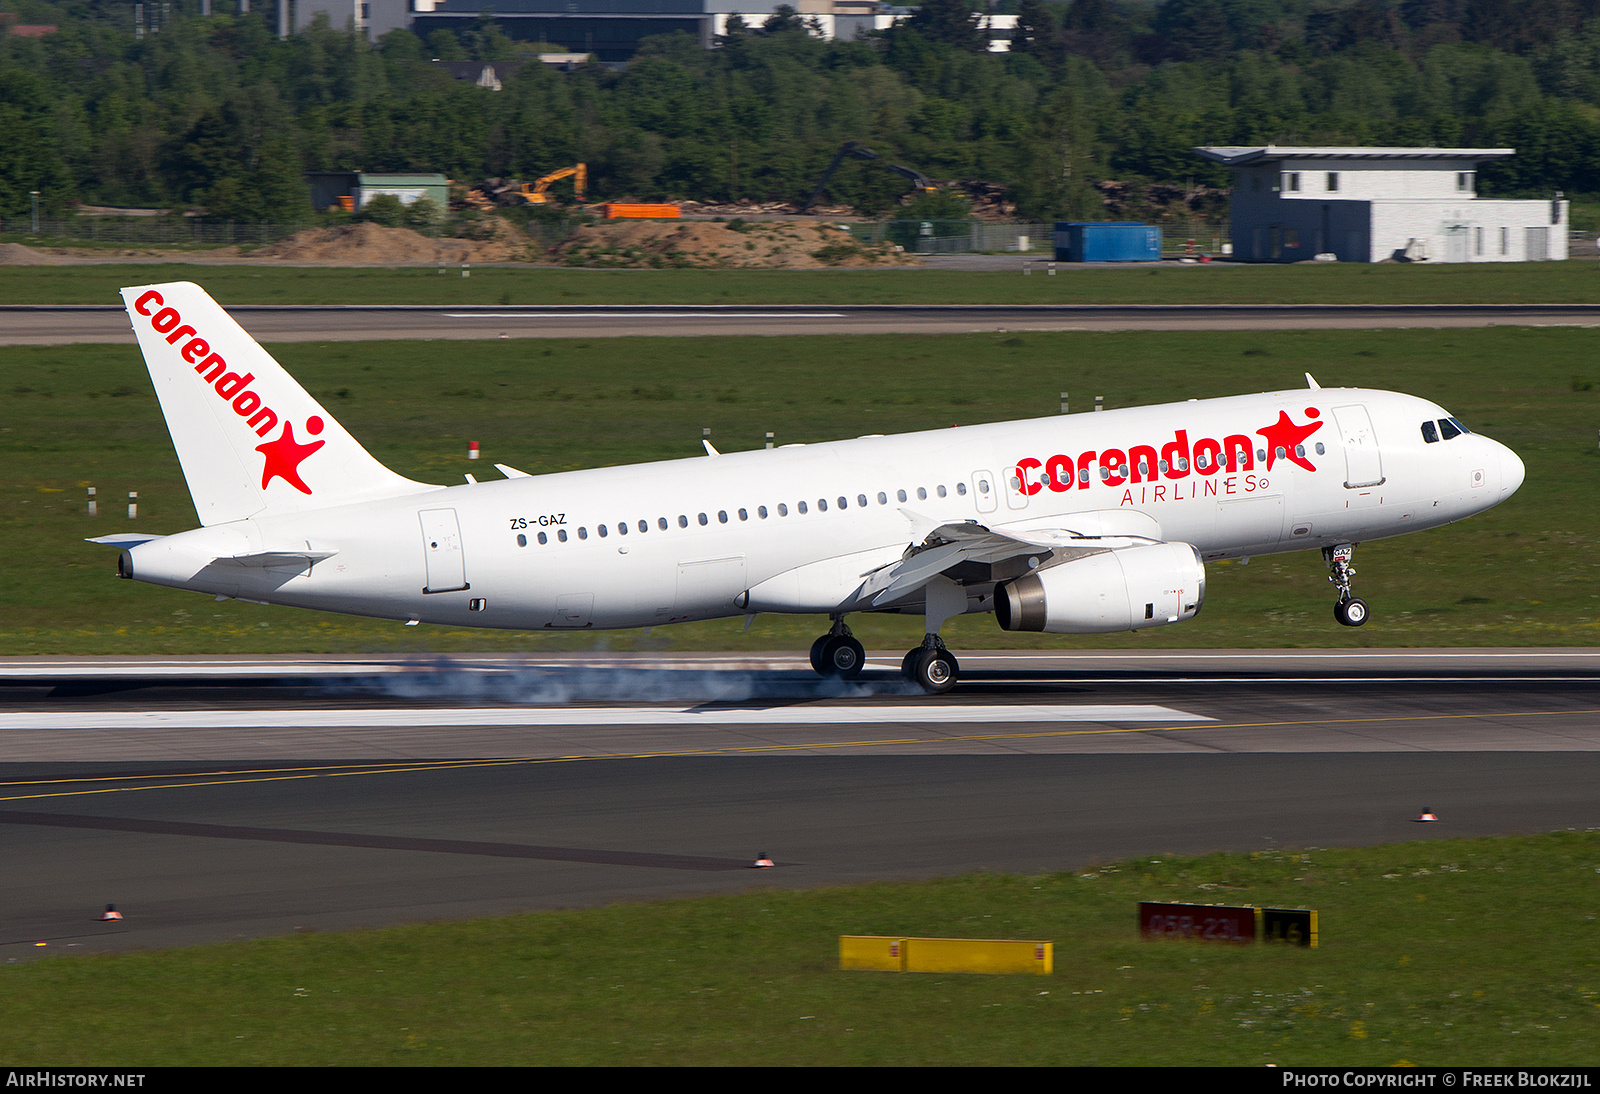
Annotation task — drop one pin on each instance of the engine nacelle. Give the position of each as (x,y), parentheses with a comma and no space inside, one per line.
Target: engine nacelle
(1123,590)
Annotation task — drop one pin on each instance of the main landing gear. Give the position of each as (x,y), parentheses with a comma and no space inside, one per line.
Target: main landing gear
(930,665)
(837,653)
(1348,610)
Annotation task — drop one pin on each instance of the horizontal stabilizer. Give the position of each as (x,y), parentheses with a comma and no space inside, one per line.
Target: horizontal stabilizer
(124,540)
(266,559)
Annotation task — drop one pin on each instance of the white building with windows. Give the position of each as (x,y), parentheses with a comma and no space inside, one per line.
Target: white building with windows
(1372,204)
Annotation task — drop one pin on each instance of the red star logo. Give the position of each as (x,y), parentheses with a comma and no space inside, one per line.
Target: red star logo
(1284,434)
(284,456)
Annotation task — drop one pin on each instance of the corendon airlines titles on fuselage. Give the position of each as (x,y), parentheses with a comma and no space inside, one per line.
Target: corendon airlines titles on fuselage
(1094,523)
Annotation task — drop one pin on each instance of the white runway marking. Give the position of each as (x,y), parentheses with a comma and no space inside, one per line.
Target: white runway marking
(669,717)
(644,315)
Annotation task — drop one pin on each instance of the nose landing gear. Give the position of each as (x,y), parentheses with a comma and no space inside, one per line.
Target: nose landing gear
(1349,610)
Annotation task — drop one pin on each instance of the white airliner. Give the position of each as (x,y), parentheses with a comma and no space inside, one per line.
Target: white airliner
(1076,524)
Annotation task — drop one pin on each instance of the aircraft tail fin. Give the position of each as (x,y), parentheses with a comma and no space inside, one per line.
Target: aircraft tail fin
(250,439)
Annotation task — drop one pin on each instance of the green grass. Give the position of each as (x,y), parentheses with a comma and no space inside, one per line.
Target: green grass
(1575,281)
(1455,952)
(1525,573)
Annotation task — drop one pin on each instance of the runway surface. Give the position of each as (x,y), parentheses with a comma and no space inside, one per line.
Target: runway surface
(212,798)
(65,324)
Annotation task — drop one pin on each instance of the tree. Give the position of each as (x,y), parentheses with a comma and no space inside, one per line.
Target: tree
(952,22)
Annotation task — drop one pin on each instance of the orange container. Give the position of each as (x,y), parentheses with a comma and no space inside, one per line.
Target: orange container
(615,209)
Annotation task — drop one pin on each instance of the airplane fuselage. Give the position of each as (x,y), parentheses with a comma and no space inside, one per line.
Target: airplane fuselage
(798,528)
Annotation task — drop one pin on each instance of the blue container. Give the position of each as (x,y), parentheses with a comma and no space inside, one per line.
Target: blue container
(1107,241)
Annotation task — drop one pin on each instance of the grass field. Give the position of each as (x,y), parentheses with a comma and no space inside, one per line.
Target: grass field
(1523,574)
(1455,952)
(1576,281)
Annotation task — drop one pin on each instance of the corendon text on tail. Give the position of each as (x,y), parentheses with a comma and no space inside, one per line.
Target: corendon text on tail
(281,458)
(1073,524)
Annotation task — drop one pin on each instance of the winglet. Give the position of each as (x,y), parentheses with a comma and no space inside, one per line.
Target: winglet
(1311,382)
(709,450)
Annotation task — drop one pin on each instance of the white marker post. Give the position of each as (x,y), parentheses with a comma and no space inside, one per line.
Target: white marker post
(94,507)
(133,504)
(472,450)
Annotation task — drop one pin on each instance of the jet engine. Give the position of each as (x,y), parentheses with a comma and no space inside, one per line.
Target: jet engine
(1122,590)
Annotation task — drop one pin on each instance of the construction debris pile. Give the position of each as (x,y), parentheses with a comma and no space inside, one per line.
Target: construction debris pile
(788,245)
(355,244)
(1157,201)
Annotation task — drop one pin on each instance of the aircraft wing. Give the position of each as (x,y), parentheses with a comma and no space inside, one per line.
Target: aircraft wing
(948,546)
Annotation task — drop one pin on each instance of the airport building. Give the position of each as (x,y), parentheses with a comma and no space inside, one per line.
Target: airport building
(611,29)
(1373,204)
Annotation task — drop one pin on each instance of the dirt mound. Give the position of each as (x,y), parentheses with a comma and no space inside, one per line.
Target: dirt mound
(15,254)
(785,245)
(366,242)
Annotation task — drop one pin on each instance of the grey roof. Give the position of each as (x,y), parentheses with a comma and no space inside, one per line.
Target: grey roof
(1236,155)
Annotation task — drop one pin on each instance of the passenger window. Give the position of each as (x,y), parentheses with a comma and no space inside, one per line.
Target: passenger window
(883,499)
(761,511)
(802,508)
(822,505)
(922,493)
(783,510)
(1321,450)
(743,515)
(683,521)
(703,520)
(901,494)
(1430,433)
(561,534)
(722,516)
(1447,431)
(644,526)
(622,529)
(544,539)
(844,503)
(961,488)
(861,500)
(603,532)
(522,541)
(583,533)
(943,493)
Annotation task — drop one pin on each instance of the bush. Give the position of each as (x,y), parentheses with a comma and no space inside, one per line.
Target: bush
(385,209)
(422,215)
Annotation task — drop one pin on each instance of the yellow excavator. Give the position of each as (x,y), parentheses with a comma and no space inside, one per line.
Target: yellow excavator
(535,193)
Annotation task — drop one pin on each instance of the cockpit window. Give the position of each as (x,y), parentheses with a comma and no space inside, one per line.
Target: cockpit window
(1430,432)
(1448,430)
(1457,423)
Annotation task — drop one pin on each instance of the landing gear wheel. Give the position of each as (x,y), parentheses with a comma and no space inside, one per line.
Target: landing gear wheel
(936,671)
(819,666)
(842,656)
(1351,613)
(908,666)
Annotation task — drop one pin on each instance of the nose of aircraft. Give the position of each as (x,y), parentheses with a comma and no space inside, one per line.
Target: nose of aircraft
(1511,472)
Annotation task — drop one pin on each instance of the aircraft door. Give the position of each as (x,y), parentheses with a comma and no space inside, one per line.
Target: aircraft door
(1362,461)
(441,545)
(984,491)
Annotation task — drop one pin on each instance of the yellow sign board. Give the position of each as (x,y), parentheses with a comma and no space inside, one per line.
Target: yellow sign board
(980,955)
